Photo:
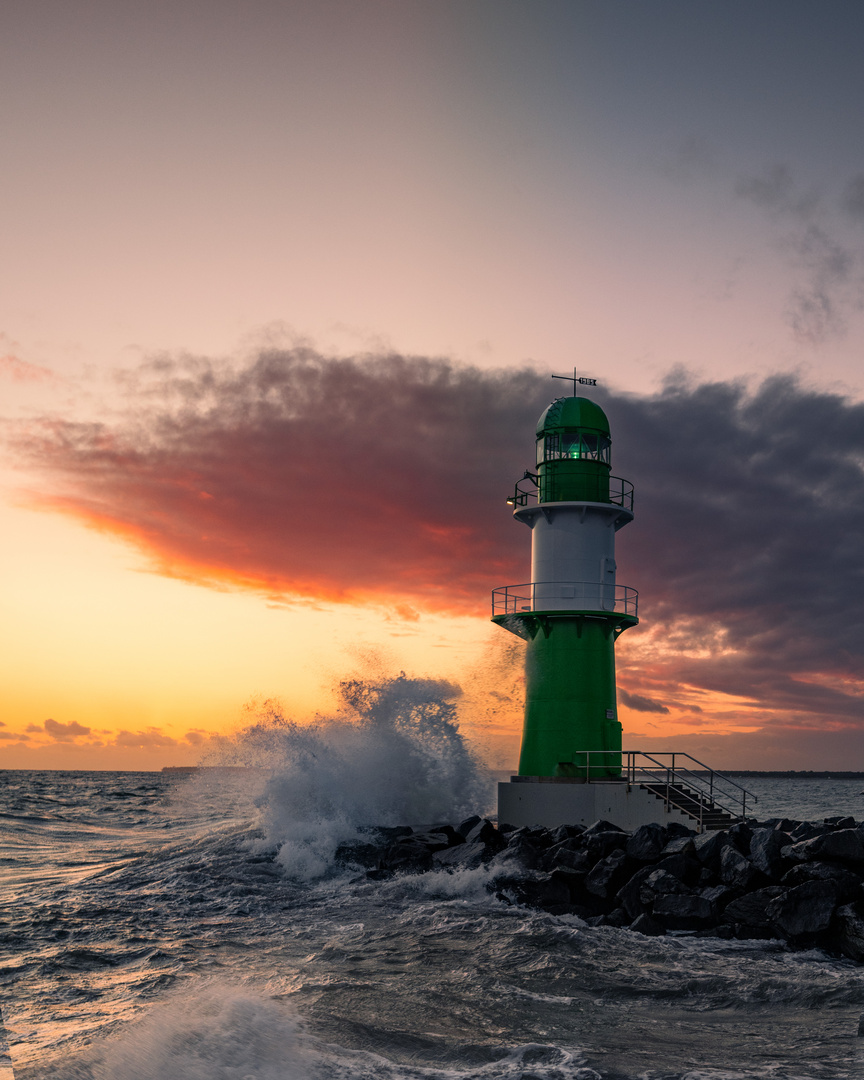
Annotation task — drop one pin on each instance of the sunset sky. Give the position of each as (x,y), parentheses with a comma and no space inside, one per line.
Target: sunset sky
(282,291)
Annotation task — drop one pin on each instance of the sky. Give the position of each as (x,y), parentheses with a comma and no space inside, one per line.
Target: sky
(283,288)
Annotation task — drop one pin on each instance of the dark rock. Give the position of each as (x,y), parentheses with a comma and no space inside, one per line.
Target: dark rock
(644,924)
(567,832)
(568,853)
(684,867)
(765,848)
(408,854)
(542,891)
(659,883)
(618,917)
(629,895)
(679,845)
(737,871)
(787,825)
(432,832)
(521,847)
(849,927)
(602,843)
(707,877)
(484,832)
(720,895)
(709,847)
(843,845)
(804,910)
(646,843)
(684,912)
(840,822)
(804,830)
(355,853)
(465,827)
(609,874)
(575,882)
(678,828)
(750,910)
(740,835)
(466,856)
(848,884)
(380,834)
(602,826)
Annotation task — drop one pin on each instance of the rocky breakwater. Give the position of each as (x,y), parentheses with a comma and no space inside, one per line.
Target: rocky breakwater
(793,880)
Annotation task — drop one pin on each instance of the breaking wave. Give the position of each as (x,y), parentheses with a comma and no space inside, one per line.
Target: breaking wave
(392,755)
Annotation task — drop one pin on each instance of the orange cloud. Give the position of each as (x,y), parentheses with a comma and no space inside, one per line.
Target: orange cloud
(23,371)
(382,479)
(65,732)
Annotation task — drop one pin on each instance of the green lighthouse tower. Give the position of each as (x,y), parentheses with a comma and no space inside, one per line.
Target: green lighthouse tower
(572,611)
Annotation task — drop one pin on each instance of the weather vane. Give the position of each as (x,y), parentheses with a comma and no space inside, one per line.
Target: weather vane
(579,380)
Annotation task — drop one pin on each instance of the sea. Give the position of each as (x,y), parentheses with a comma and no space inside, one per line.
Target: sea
(200,926)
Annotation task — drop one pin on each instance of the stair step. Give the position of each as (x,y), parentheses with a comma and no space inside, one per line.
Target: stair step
(693,804)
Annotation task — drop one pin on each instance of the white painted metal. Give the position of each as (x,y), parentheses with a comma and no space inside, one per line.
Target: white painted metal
(574,542)
(551,805)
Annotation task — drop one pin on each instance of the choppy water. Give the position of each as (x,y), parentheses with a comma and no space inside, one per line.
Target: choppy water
(164,927)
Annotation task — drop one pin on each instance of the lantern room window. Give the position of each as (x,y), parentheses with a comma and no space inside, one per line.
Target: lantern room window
(574,445)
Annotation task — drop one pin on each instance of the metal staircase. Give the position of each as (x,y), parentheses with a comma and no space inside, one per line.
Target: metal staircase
(709,798)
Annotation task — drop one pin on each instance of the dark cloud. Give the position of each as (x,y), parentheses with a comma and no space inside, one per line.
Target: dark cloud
(65,732)
(853,198)
(640,703)
(383,478)
(343,479)
(773,189)
(827,282)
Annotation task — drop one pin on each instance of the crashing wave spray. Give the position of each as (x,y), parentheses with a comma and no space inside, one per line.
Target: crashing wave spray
(393,755)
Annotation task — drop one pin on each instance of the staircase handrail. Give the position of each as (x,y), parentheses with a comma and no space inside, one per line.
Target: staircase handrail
(695,778)
(705,793)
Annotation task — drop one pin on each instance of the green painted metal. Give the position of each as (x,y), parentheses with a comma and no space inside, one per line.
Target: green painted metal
(567,414)
(573,452)
(570,699)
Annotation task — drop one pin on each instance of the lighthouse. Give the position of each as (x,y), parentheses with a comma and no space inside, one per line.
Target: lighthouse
(572,768)
(573,610)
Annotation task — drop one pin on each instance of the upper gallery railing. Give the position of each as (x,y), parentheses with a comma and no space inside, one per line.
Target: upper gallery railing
(564,596)
(620,492)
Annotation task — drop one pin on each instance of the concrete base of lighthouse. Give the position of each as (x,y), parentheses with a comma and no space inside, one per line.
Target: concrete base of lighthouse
(553,801)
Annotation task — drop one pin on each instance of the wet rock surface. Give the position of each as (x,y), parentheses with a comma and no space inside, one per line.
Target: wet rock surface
(799,882)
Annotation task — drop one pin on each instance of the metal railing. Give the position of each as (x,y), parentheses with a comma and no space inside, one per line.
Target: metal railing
(620,492)
(564,596)
(705,791)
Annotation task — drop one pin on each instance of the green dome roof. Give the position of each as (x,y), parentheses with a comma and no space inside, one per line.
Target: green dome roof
(566,414)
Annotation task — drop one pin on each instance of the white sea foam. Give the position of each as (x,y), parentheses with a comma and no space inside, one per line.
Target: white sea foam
(393,755)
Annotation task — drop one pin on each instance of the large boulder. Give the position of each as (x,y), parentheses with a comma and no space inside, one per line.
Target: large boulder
(630,895)
(609,874)
(765,848)
(542,891)
(805,910)
(466,856)
(751,910)
(660,883)
(737,871)
(677,912)
(484,832)
(647,842)
(849,930)
(840,845)
(849,885)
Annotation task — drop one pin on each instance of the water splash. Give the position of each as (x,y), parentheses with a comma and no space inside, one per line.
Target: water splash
(392,755)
